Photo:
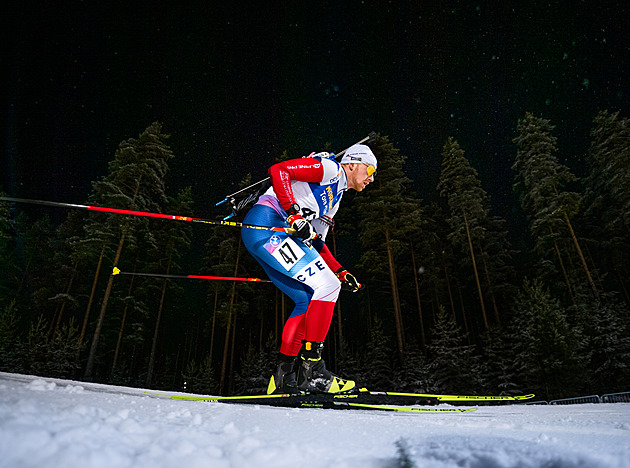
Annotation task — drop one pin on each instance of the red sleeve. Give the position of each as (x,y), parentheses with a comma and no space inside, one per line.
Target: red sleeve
(331,261)
(304,170)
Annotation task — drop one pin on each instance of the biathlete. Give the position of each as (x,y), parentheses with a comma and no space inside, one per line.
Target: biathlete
(305,195)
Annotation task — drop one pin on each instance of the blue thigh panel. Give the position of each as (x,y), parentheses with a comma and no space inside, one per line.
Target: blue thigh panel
(258,241)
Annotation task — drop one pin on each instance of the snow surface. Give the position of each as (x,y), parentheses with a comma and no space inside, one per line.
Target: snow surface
(60,423)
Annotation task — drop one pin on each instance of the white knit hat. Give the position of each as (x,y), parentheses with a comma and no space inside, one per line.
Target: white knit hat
(359,154)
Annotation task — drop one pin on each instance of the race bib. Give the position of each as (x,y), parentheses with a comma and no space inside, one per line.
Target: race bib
(288,253)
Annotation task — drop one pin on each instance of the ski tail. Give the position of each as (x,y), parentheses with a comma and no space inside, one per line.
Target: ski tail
(400,409)
(447,398)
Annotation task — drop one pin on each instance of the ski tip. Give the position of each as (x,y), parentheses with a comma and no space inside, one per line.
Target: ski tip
(525,397)
(159,395)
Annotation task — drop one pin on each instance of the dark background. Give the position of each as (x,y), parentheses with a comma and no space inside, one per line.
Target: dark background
(237,84)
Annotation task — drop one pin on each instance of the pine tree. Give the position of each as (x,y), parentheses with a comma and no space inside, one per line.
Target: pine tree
(607,196)
(498,265)
(170,240)
(608,179)
(89,251)
(167,377)
(134,307)
(453,366)
(62,352)
(413,375)
(34,350)
(547,358)
(468,204)
(8,262)
(388,214)
(378,369)
(9,339)
(253,377)
(610,348)
(200,378)
(498,364)
(135,181)
(540,181)
(603,328)
(74,258)
(347,364)
(224,253)
(35,239)
(438,260)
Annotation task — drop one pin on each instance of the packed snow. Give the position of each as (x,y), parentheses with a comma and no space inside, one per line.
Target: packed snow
(48,423)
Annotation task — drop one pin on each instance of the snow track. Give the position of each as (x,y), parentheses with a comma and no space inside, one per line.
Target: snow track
(58,423)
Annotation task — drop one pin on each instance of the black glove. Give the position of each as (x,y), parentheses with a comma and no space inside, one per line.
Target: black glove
(348,281)
(303,228)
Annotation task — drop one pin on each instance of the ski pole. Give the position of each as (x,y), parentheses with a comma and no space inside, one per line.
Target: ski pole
(158,275)
(371,136)
(147,214)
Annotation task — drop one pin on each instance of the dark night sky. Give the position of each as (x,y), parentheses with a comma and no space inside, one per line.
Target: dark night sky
(236,85)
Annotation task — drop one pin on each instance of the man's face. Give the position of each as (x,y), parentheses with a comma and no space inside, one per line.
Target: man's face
(359,176)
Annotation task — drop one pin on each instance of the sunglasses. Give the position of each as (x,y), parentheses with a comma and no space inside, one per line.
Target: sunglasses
(371,170)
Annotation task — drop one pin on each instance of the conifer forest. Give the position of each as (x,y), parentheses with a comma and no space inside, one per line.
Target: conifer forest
(456,299)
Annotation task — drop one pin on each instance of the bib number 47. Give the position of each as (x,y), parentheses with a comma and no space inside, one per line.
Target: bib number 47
(288,253)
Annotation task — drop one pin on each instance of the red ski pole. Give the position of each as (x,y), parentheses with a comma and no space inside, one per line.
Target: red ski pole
(146,214)
(221,278)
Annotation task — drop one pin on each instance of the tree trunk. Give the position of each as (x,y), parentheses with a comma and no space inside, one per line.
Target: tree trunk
(490,288)
(474,264)
(564,270)
(63,304)
(229,323)
(156,331)
(464,315)
(448,288)
(214,320)
(90,301)
(99,324)
(581,255)
(395,297)
(122,327)
(231,369)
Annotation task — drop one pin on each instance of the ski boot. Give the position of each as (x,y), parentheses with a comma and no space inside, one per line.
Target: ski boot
(312,375)
(283,380)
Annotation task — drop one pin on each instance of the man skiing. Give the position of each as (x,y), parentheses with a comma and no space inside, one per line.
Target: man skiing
(305,195)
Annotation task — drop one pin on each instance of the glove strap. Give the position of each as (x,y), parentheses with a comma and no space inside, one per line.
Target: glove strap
(293,210)
(293,218)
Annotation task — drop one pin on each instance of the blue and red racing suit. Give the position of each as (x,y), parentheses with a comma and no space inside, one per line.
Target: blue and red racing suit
(305,274)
